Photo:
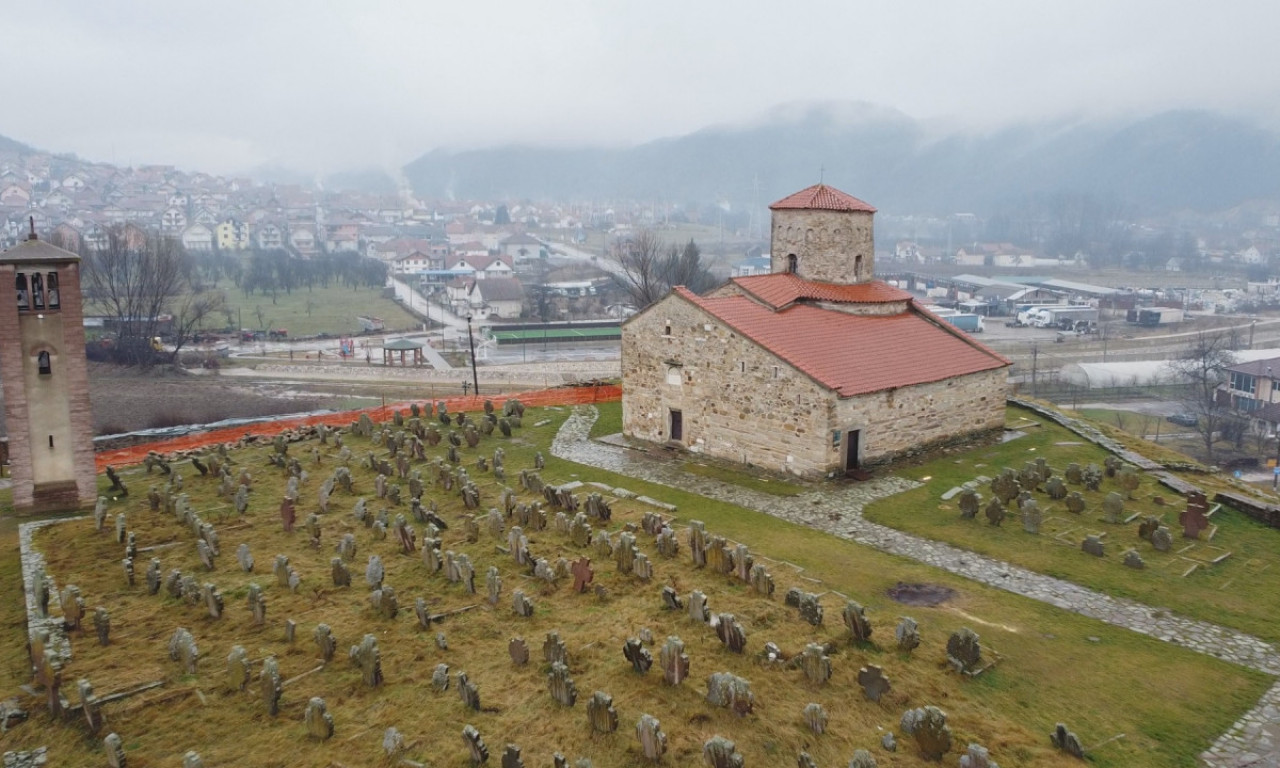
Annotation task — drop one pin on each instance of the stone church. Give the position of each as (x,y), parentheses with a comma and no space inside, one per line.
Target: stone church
(816,369)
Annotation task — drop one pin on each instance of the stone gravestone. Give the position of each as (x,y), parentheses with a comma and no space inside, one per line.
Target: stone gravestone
(874,683)
(1031,516)
(518,650)
(674,661)
(582,574)
(493,584)
(553,649)
(325,642)
(440,678)
(964,652)
(653,742)
(114,747)
(815,663)
(761,580)
(521,605)
(1093,545)
(244,558)
(367,657)
(928,725)
(561,685)
(815,717)
(699,610)
(1194,518)
(635,652)
(601,714)
(1066,741)
(318,720)
(719,752)
(671,600)
(907,634)
(1113,508)
(995,512)
(1056,489)
(969,501)
(727,690)
(730,632)
(182,649)
(1162,539)
(511,755)
(698,542)
(855,618)
(1133,560)
(270,685)
(810,609)
(468,692)
(238,671)
(478,752)
(1075,503)
(338,569)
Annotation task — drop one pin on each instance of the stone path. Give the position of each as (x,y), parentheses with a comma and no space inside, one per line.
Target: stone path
(1253,741)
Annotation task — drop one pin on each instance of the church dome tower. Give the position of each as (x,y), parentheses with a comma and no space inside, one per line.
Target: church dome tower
(823,234)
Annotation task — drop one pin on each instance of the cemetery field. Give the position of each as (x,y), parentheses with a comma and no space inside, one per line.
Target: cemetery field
(1053,666)
(1241,591)
(304,312)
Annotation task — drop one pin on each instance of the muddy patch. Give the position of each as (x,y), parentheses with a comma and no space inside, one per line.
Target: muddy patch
(920,594)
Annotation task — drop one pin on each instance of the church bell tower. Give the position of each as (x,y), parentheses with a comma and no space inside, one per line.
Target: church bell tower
(45,377)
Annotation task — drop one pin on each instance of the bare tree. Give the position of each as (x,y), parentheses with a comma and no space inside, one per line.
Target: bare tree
(1203,366)
(189,313)
(134,279)
(649,268)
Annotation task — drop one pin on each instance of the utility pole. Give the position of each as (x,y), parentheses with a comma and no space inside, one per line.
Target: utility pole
(475,377)
(1035,353)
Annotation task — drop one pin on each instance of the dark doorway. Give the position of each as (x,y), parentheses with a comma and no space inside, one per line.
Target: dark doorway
(677,425)
(851,449)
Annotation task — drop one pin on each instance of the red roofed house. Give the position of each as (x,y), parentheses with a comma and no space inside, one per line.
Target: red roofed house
(816,369)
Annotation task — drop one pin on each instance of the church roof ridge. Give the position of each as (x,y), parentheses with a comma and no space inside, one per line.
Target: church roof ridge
(821,197)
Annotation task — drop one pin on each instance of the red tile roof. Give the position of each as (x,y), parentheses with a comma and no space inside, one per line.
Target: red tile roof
(783,288)
(820,197)
(854,354)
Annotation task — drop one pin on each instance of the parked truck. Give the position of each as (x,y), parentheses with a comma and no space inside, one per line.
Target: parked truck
(965,321)
(1153,316)
(1064,316)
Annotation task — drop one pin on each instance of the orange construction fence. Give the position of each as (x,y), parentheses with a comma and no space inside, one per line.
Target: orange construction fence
(134,454)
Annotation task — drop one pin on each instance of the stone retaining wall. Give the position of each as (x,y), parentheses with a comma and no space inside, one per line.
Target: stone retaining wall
(1267,514)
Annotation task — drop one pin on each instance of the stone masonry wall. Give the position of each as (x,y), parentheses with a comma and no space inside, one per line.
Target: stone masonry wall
(741,403)
(738,401)
(827,244)
(15,395)
(904,420)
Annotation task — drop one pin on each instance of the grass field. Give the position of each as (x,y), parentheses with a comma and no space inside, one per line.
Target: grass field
(1056,666)
(1242,592)
(306,312)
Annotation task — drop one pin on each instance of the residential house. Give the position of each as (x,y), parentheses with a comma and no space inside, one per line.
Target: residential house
(270,236)
(197,237)
(232,235)
(303,238)
(173,219)
(521,247)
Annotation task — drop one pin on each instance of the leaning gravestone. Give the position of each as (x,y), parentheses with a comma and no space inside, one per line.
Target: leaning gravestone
(855,618)
(639,657)
(964,652)
(1066,741)
(475,745)
(907,634)
(929,727)
(468,692)
(114,747)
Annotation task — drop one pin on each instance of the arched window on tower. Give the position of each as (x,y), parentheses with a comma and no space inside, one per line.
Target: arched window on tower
(51,290)
(793,261)
(37,291)
(44,364)
(23,301)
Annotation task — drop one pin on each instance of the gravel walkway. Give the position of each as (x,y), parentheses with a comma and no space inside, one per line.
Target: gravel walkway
(1254,740)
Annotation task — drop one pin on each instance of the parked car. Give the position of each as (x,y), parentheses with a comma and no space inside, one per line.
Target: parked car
(1183,419)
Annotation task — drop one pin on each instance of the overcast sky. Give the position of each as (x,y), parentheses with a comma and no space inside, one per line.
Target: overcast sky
(325,85)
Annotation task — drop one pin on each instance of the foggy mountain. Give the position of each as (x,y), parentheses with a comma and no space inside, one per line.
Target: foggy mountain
(1172,160)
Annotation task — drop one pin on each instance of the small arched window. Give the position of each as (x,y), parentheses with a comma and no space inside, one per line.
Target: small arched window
(793,262)
(51,290)
(44,364)
(23,301)
(857,265)
(37,291)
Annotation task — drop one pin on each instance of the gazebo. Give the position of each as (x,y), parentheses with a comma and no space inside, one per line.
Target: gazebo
(390,348)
